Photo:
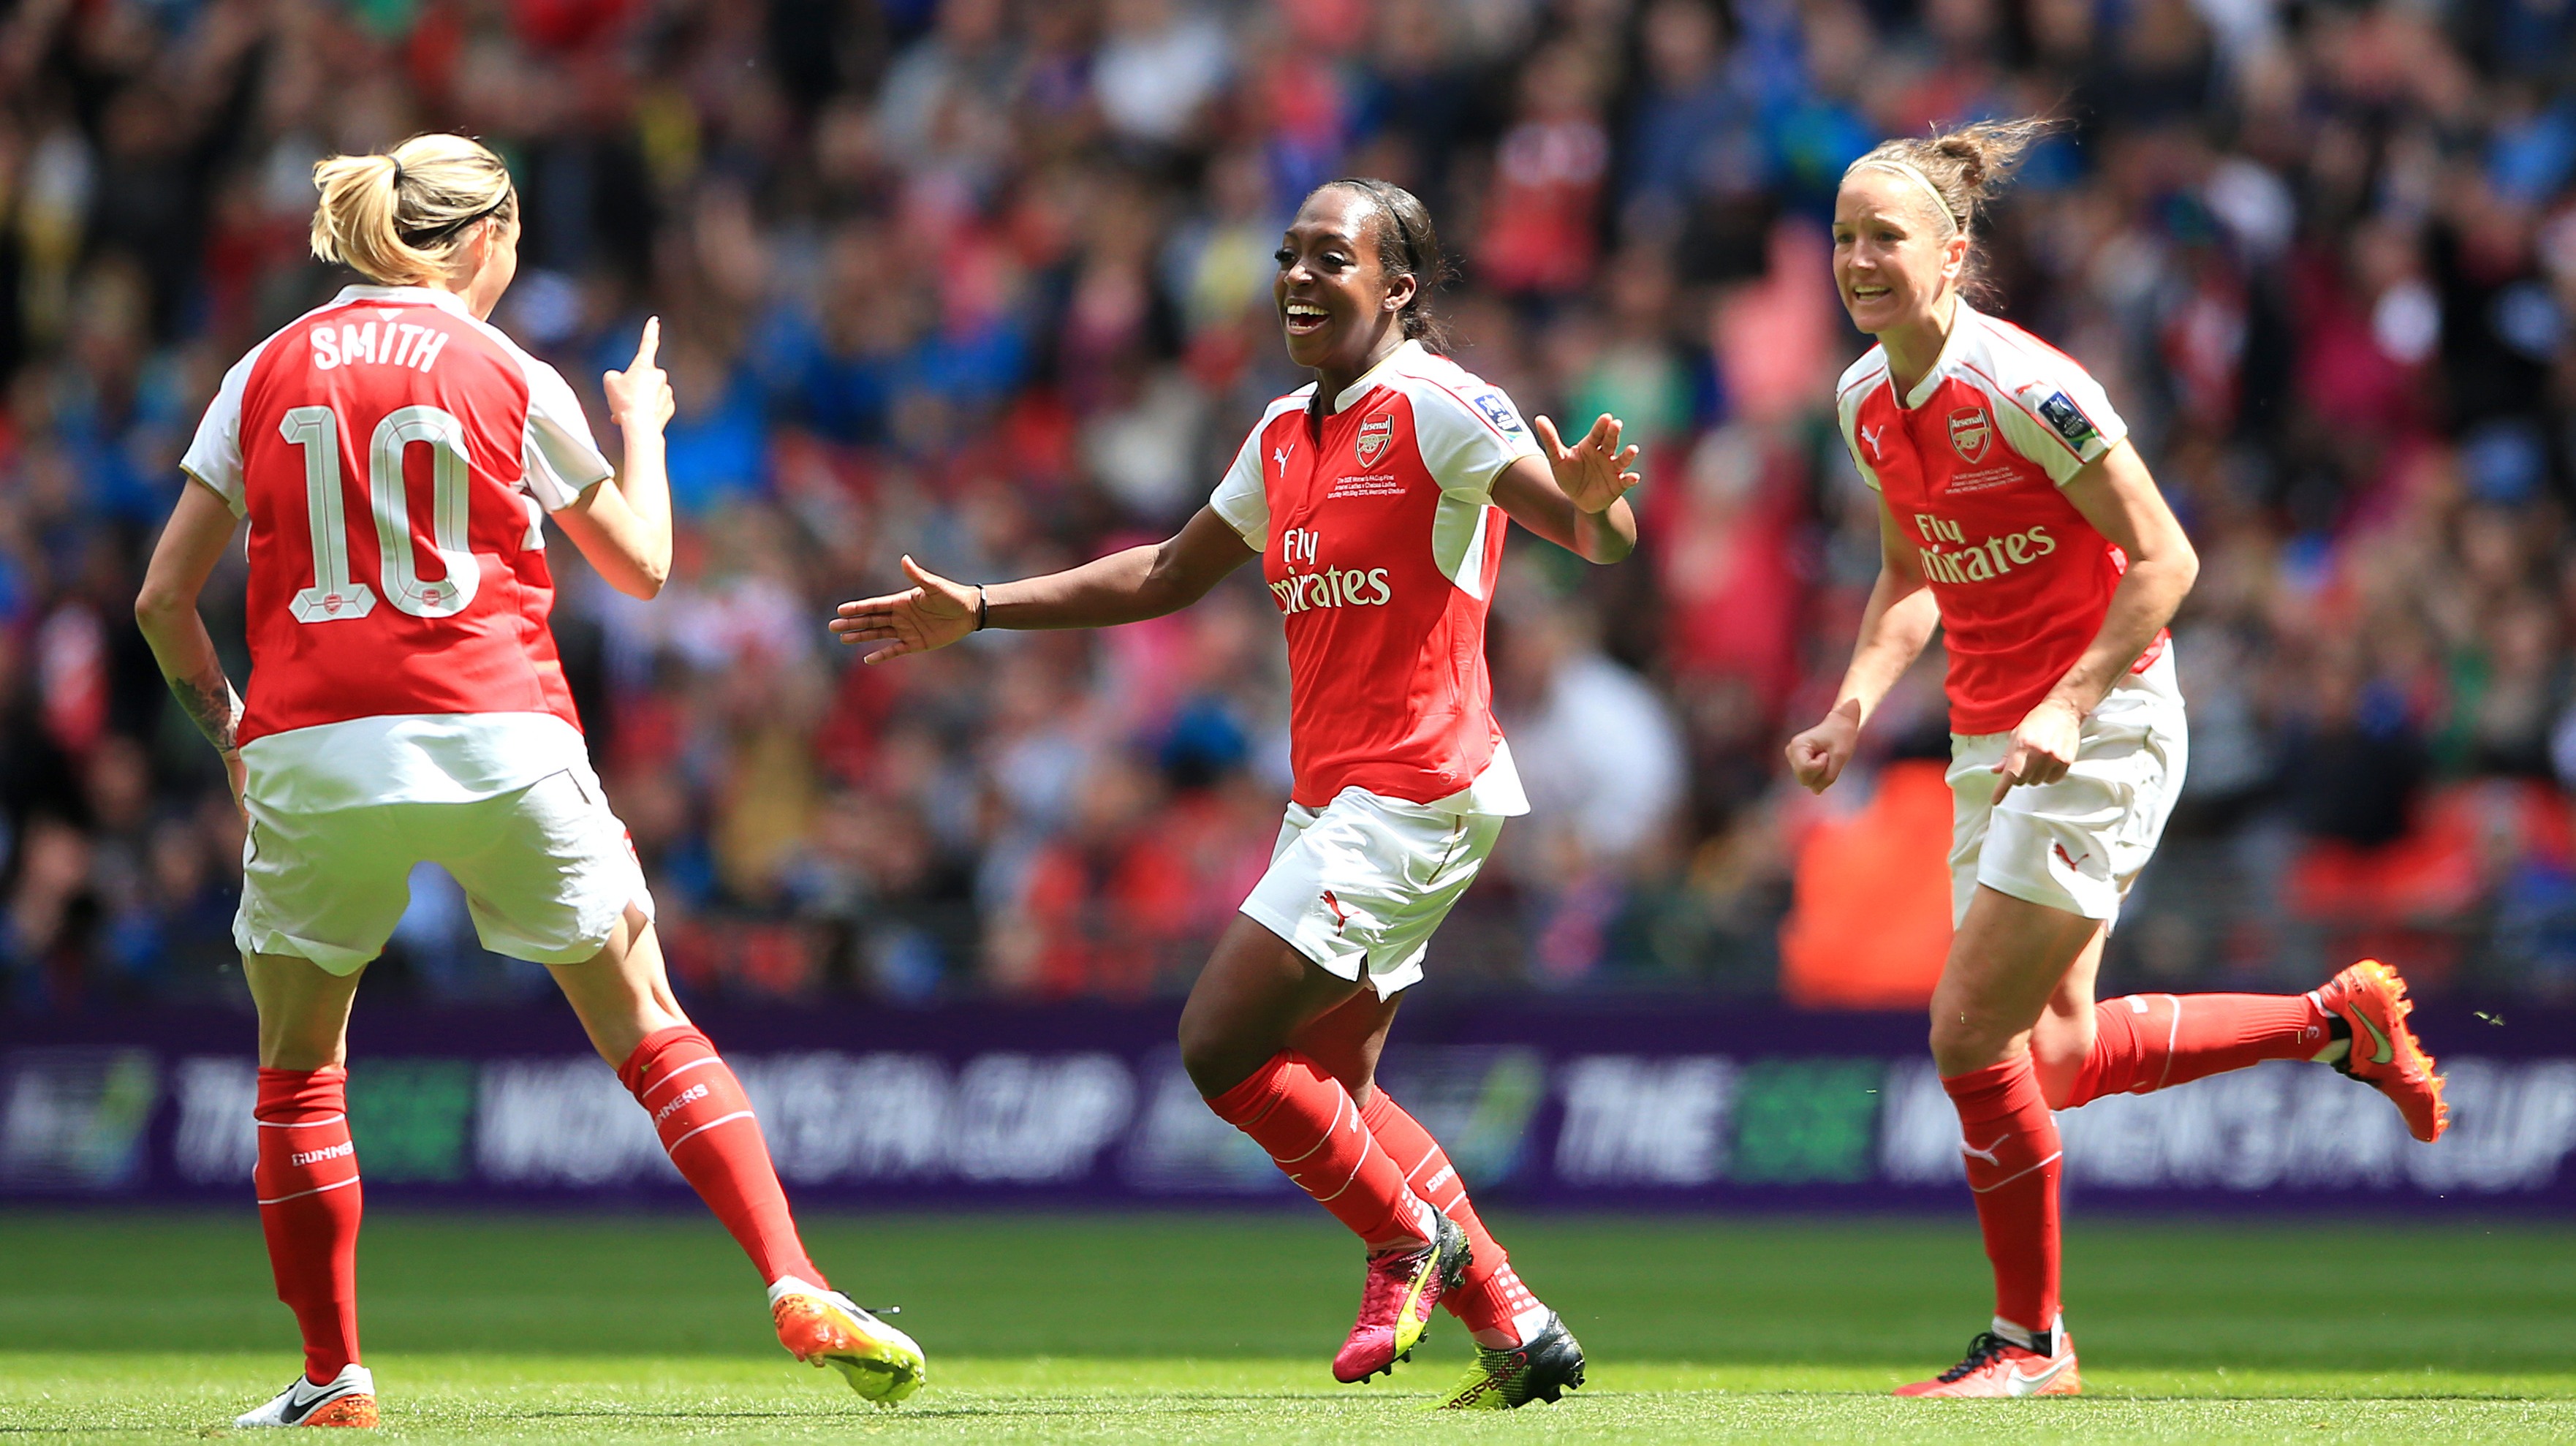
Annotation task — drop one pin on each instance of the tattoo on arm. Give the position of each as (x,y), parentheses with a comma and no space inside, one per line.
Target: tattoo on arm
(213,706)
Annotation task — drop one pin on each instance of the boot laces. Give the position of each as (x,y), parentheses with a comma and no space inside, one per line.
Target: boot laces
(1986,1349)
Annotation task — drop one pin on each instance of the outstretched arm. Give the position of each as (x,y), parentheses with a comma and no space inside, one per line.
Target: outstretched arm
(165,608)
(1124,587)
(1575,497)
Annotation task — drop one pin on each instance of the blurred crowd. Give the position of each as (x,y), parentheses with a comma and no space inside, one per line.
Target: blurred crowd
(987,282)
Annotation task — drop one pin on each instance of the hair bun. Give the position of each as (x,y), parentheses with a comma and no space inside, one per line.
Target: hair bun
(1970,156)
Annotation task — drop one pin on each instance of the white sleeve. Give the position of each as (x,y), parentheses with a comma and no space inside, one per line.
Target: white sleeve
(1849,407)
(2062,420)
(214,455)
(1243,499)
(560,459)
(1467,438)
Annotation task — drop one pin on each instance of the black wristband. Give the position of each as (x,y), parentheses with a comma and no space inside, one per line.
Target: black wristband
(982,609)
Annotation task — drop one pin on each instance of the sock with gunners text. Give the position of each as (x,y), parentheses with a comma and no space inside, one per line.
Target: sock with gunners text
(1313,1131)
(706,1125)
(309,1203)
(2144,1042)
(1491,1297)
(2010,1143)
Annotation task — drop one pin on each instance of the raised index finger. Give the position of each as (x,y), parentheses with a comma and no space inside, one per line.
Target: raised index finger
(651,343)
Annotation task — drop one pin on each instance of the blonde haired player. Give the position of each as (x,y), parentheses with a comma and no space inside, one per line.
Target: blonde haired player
(396,457)
(2015,516)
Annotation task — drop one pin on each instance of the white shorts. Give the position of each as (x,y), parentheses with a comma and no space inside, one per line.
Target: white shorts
(2076,844)
(547,871)
(1359,886)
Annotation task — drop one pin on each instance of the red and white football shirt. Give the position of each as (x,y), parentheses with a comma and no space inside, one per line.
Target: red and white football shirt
(1970,463)
(395,458)
(1381,544)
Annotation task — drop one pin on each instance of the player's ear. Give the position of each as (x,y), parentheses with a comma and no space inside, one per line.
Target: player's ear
(1400,290)
(470,256)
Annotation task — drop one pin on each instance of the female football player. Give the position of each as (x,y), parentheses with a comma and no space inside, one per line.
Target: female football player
(396,458)
(1376,498)
(2015,516)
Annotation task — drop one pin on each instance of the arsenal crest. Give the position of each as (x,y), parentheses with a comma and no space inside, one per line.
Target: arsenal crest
(1376,435)
(1970,430)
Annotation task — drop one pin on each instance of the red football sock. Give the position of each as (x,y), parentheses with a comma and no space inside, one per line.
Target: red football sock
(2010,1141)
(1307,1122)
(307,1184)
(1491,1293)
(2144,1042)
(706,1124)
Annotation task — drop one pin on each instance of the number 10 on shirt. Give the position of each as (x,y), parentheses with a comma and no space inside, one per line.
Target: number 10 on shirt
(334,595)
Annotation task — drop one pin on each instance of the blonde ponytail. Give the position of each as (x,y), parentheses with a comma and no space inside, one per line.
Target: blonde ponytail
(399,218)
(1961,169)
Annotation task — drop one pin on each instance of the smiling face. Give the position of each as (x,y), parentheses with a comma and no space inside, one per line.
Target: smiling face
(1337,304)
(1895,262)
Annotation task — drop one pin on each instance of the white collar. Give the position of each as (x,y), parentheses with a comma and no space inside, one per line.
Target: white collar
(409,295)
(1960,320)
(1368,379)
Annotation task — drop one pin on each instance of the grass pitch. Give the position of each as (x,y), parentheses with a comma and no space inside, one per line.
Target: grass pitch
(1183,1329)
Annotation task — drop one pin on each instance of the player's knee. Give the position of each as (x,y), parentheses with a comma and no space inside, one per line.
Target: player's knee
(1354,1069)
(300,1052)
(299,1039)
(1962,1041)
(1215,1069)
(1213,1062)
(616,1009)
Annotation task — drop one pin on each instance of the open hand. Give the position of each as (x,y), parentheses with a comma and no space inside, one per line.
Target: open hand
(2042,748)
(932,613)
(1593,473)
(640,396)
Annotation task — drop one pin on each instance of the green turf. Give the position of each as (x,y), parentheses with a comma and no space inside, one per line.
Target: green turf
(1175,1329)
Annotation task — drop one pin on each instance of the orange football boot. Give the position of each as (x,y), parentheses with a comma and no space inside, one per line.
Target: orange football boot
(2000,1367)
(2370,997)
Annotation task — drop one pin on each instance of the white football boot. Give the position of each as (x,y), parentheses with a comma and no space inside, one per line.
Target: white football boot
(348,1400)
